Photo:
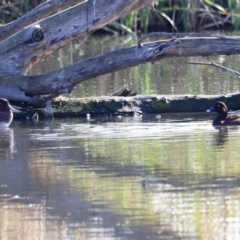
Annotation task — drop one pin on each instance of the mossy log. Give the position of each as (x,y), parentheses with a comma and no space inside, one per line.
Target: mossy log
(109,105)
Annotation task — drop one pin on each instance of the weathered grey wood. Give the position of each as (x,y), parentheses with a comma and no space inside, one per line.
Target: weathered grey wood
(21,51)
(38,13)
(65,107)
(64,80)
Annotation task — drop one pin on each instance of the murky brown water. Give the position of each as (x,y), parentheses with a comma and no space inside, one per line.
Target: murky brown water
(177,177)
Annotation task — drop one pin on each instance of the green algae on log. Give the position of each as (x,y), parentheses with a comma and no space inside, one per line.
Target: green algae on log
(109,105)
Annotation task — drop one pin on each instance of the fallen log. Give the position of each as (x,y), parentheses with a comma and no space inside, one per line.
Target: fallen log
(110,105)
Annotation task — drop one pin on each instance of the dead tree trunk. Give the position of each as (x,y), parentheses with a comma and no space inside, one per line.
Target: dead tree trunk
(19,52)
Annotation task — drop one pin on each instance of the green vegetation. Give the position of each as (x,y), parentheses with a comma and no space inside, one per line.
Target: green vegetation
(187,15)
(13,9)
(184,15)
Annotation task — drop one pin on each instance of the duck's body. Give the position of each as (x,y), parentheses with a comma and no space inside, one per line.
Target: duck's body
(223,118)
(6,115)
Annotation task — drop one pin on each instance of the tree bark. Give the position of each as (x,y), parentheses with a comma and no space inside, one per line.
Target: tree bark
(137,105)
(63,80)
(21,51)
(40,12)
(45,37)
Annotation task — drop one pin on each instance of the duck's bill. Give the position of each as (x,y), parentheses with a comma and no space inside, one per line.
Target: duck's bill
(210,109)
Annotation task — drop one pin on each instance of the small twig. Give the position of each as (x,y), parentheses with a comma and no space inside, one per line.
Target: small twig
(165,34)
(209,12)
(215,65)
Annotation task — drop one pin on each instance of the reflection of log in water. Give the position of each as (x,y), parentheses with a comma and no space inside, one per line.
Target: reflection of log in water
(6,143)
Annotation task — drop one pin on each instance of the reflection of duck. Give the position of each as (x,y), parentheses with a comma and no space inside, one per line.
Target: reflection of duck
(221,137)
(6,143)
(6,115)
(223,118)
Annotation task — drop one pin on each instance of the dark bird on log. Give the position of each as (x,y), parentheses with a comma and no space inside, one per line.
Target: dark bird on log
(124,92)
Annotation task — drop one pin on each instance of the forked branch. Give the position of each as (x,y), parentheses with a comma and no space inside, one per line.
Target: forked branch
(213,64)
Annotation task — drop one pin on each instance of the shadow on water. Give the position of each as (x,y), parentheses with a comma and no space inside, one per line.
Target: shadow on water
(119,178)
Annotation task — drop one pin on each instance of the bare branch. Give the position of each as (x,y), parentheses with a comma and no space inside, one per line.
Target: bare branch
(175,35)
(213,64)
(22,50)
(63,80)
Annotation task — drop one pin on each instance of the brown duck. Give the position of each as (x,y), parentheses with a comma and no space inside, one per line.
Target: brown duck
(223,118)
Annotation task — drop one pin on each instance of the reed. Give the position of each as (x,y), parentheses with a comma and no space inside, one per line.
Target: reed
(170,15)
(13,9)
(188,15)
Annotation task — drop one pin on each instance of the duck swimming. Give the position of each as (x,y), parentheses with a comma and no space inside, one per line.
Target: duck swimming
(223,118)
(6,115)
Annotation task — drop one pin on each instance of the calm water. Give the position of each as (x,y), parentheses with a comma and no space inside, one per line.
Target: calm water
(177,177)
(120,178)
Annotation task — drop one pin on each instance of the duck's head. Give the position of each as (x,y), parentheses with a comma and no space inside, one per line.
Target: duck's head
(220,108)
